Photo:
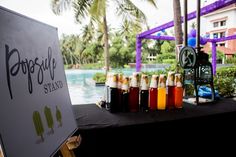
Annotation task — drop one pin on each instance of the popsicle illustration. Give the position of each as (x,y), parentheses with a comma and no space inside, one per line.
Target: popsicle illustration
(38,124)
(49,118)
(58,116)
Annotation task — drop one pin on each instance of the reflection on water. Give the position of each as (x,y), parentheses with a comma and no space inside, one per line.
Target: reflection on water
(82,91)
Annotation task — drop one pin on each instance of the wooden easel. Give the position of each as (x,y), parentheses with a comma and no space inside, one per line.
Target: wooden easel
(72,143)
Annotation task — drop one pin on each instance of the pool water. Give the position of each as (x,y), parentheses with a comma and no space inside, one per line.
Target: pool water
(82,91)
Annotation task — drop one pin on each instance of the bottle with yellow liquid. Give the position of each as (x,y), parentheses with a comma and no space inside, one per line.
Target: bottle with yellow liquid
(178,91)
(161,96)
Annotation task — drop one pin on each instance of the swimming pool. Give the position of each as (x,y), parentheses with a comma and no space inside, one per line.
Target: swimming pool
(83,92)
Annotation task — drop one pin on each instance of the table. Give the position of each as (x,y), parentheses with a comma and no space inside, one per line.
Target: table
(142,133)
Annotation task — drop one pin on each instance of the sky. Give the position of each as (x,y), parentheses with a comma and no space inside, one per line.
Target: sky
(41,11)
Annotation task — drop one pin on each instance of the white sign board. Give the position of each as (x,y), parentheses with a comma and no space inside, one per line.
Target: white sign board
(35,109)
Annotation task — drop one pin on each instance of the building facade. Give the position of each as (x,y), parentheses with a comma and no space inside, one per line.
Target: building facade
(222,23)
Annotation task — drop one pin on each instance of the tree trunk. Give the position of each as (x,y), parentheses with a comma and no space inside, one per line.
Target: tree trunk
(106,46)
(177,27)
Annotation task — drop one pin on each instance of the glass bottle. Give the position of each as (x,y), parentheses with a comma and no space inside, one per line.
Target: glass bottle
(125,94)
(144,93)
(120,80)
(178,91)
(161,99)
(170,90)
(134,93)
(113,94)
(153,93)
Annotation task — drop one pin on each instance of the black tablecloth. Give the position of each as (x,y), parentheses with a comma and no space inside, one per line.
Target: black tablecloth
(134,133)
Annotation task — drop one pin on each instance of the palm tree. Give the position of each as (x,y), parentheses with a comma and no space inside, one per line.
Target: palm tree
(97,11)
(177,26)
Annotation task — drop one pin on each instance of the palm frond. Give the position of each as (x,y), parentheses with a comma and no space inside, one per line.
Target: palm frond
(98,9)
(58,6)
(152,2)
(81,9)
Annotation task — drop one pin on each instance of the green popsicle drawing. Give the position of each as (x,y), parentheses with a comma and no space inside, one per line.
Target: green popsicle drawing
(38,124)
(48,115)
(58,116)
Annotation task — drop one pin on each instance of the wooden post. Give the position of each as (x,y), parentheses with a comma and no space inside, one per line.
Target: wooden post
(69,145)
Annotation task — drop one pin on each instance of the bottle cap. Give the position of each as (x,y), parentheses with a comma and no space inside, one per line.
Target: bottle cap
(170,79)
(178,80)
(154,81)
(162,81)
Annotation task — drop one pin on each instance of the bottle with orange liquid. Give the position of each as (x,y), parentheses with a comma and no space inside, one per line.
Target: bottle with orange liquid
(153,93)
(125,94)
(144,93)
(134,93)
(170,90)
(178,91)
(161,99)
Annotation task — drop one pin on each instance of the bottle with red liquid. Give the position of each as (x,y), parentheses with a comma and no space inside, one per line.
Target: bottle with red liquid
(125,94)
(120,80)
(144,93)
(153,92)
(178,91)
(113,93)
(134,93)
(170,90)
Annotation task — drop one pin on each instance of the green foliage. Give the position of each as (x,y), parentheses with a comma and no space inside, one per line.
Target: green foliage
(168,61)
(92,66)
(226,72)
(225,81)
(99,77)
(231,60)
(220,56)
(168,47)
(120,52)
(165,56)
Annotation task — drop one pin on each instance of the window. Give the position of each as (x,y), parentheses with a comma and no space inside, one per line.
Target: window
(222,44)
(215,24)
(223,23)
(215,35)
(222,34)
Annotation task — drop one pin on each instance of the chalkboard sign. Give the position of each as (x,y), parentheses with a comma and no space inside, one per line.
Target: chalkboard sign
(35,108)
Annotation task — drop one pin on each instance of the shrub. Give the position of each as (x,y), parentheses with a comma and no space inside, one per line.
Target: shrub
(99,77)
(225,81)
(231,60)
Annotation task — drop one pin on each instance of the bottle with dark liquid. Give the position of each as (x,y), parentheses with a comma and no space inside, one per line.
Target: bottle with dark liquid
(125,94)
(153,92)
(170,90)
(113,94)
(134,93)
(178,91)
(144,93)
(161,99)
